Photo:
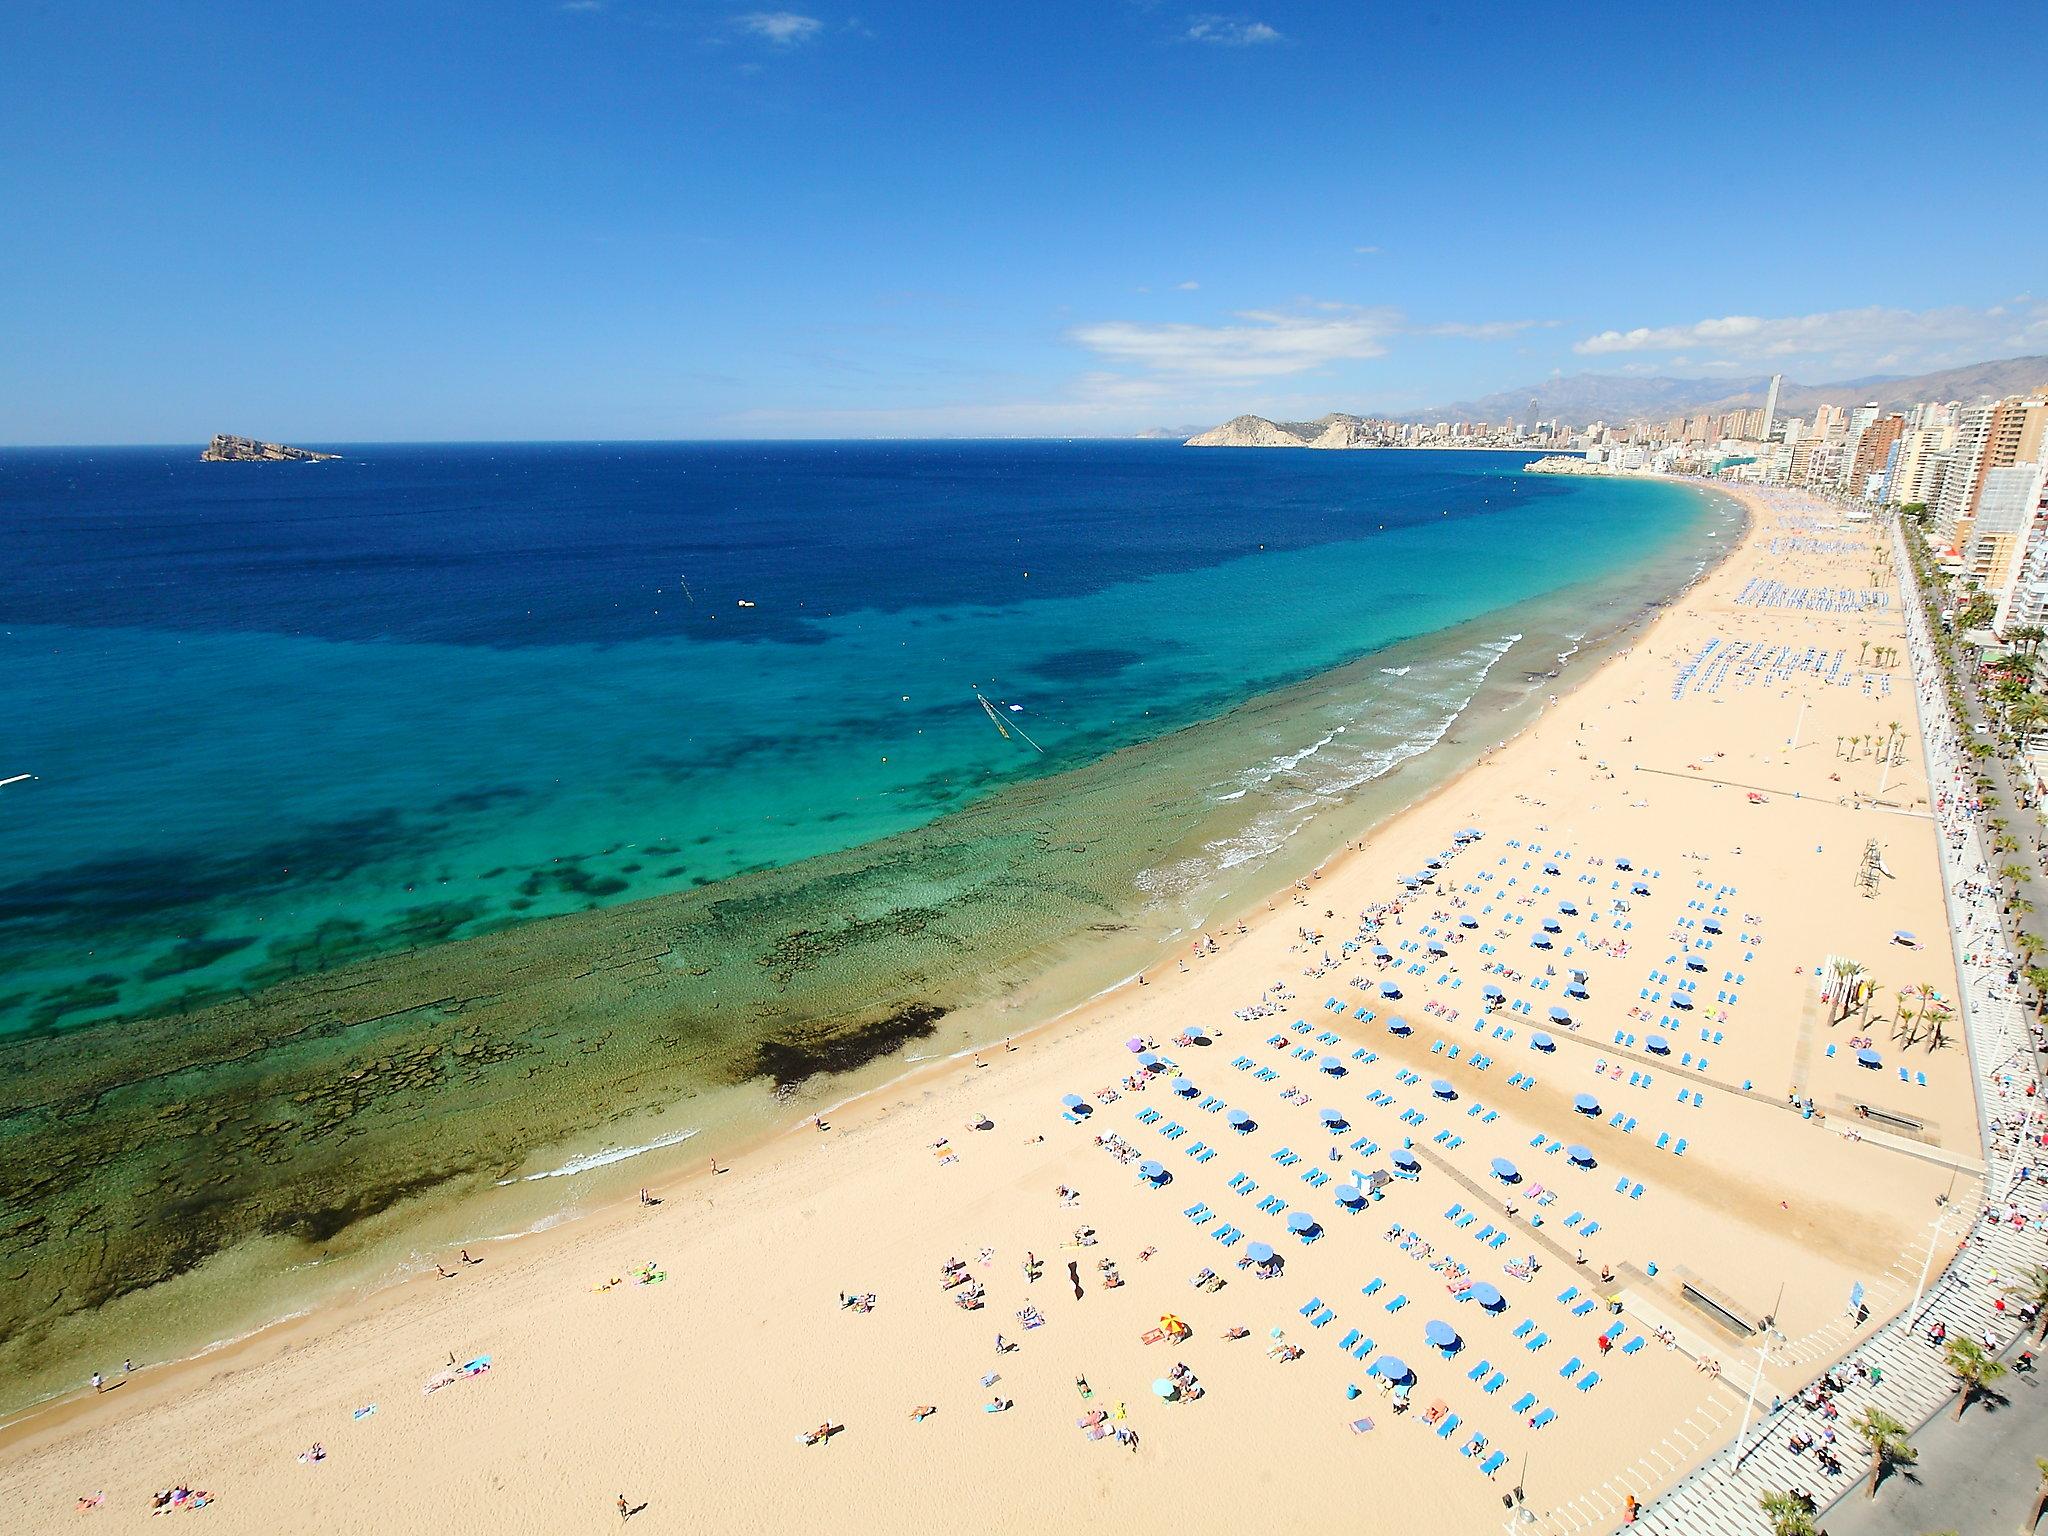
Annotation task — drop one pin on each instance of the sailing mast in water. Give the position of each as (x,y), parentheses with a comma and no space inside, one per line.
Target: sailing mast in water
(1004,727)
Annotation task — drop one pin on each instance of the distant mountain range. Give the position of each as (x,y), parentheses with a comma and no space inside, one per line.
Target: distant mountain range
(1617,397)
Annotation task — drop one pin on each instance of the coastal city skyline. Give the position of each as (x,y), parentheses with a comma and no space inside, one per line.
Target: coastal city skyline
(641,219)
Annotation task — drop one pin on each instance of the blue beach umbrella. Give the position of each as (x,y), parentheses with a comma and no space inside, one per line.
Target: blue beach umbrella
(1197,1034)
(1259,1253)
(1403,1158)
(1409,883)
(1074,1101)
(1640,889)
(1506,1171)
(1183,1087)
(1468,921)
(1543,1042)
(1436,863)
(1577,992)
(1487,1296)
(1492,993)
(1568,908)
(1469,834)
(1539,941)
(1425,876)
(1681,1002)
(1869,1058)
(1552,925)
(1334,1118)
(1165,1390)
(1585,1104)
(1150,1060)
(1350,1194)
(1583,1156)
(1154,1172)
(1331,1065)
(1560,1015)
(1389,989)
(1239,1120)
(1623,864)
(1397,1025)
(1551,869)
(1393,1367)
(1441,1335)
(1300,1221)
(1657,1045)
(1442,1088)
(1439,947)
(1695,963)
(1381,952)
(1711,926)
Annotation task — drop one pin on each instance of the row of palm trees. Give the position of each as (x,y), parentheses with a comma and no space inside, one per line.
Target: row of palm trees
(1888,1440)
(1876,655)
(2022,716)
(1891,746)
(1919,1011)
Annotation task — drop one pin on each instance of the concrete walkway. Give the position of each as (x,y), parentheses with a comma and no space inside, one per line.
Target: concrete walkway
(1976,1478)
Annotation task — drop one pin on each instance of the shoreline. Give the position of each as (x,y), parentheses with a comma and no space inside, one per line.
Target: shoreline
(681,1175)
(592,1391)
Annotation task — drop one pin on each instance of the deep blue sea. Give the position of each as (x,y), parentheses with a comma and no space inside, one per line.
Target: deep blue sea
(279,715)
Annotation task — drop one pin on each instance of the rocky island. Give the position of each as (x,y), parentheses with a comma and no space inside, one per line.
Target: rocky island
(225,449)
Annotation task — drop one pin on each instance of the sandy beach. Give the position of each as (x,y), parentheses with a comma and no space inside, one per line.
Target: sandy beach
(1697,825)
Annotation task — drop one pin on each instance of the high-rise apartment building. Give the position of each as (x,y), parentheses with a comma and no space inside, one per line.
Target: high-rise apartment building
(2008,505)
(1873,455)
(1771,406)
(1988,437)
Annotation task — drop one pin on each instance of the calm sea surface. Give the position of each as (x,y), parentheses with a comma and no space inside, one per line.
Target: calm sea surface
(368,795)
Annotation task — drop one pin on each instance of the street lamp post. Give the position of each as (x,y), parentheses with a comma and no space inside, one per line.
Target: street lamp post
(1763,1344)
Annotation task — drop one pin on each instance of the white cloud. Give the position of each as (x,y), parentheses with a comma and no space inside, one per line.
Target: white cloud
(1187,287)
(1850,340)
(1266,344)
(1365,250)
(783,28)
(1481,330)
(1230,31)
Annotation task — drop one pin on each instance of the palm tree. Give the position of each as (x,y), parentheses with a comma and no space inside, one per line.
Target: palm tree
(1788,1516)
(1889,1447)
(1972,1368)
(1862,651)
(2032,1290)
(2040,1495)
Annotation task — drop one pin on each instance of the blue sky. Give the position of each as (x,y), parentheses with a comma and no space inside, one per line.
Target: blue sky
(669,218)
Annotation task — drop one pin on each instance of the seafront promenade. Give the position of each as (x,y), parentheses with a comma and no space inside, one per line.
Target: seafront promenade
(1977,1251)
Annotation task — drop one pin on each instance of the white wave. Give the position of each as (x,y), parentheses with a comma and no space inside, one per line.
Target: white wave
(1397,671)
(1270,831)
(584,1164)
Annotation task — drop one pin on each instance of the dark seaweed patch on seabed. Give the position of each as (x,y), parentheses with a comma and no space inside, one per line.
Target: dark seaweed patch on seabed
(1084,663)
(102,891)
(789,1058)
